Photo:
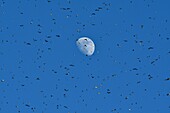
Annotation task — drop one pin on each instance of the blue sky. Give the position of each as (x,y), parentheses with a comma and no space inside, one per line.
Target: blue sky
(42,70)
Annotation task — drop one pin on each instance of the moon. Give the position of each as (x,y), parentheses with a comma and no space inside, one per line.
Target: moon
(86,46)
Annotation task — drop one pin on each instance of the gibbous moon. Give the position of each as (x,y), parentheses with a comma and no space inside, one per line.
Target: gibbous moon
(86,46)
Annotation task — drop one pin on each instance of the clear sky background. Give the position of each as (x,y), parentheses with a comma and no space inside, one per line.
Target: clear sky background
(42,70)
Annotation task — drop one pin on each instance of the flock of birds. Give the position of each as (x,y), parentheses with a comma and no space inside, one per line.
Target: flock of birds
(40,70)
